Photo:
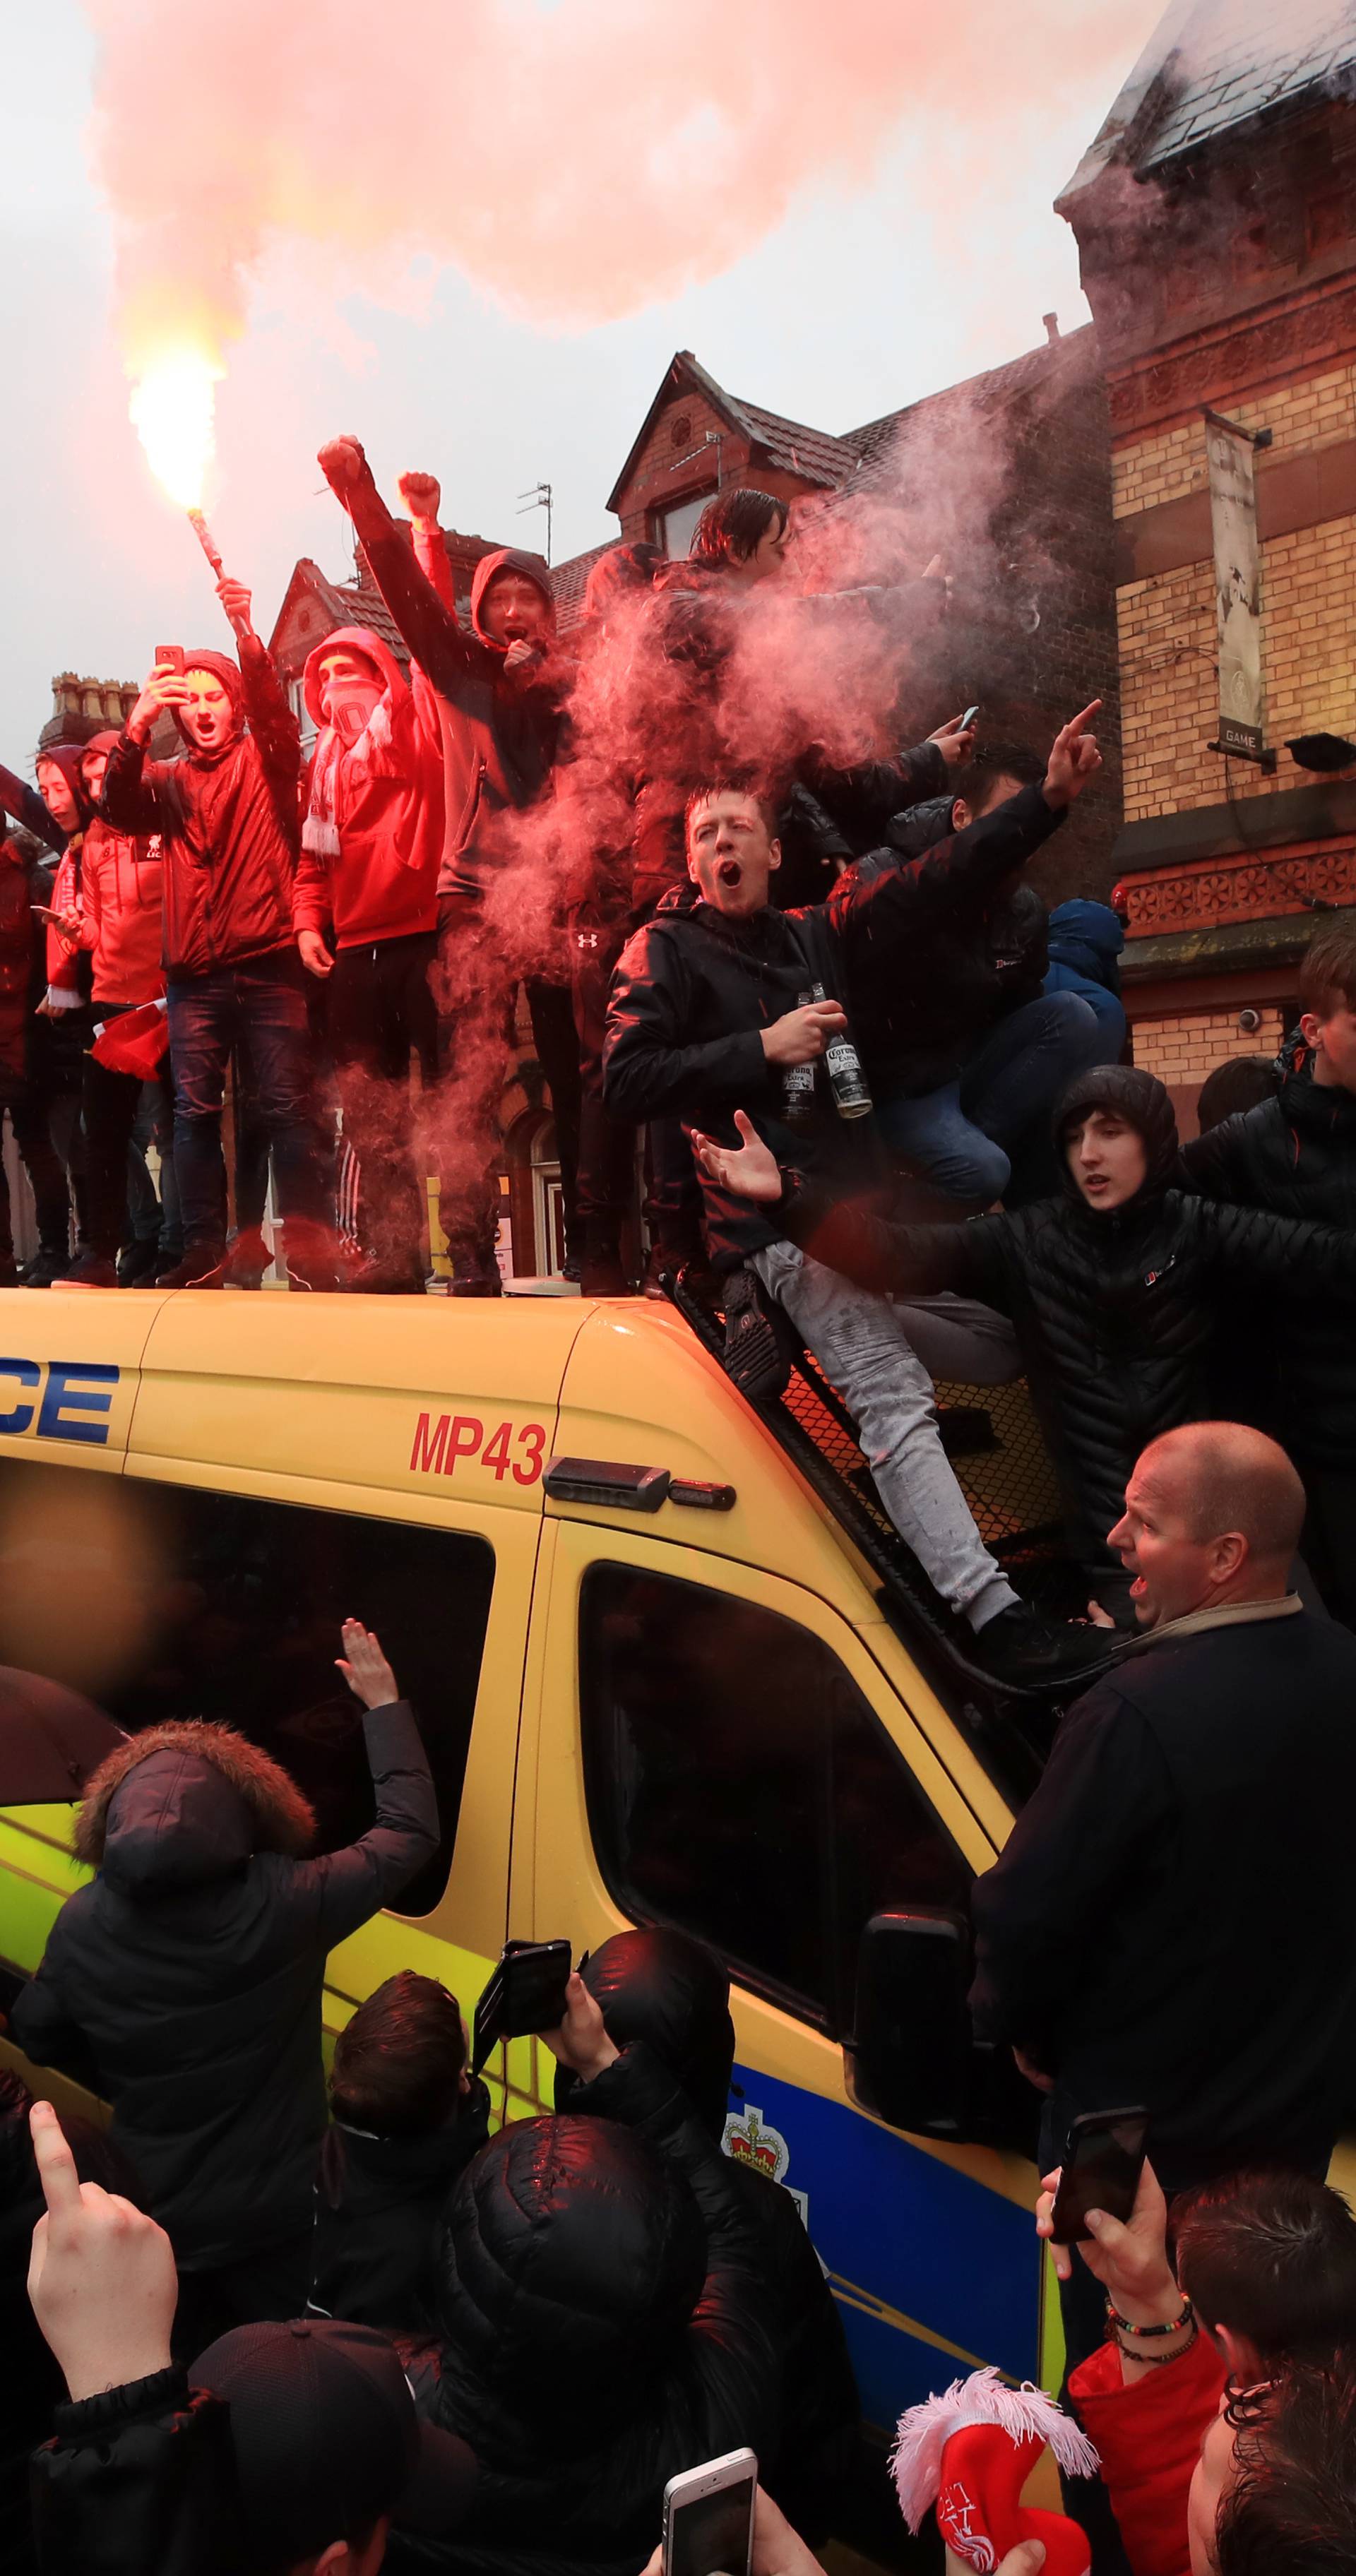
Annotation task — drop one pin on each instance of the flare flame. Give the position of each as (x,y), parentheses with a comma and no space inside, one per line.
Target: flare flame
(173,406)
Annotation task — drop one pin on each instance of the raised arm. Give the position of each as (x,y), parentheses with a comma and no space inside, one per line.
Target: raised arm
(24,805)
(272,720)
(422,496)
(346,1888)
(452,659)
(892,903)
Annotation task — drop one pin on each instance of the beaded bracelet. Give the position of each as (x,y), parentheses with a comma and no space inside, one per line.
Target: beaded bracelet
(1123,2325)
(1157,2359)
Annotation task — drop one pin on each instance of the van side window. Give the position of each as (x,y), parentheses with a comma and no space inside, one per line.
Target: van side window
(740,1786)
(162,1601)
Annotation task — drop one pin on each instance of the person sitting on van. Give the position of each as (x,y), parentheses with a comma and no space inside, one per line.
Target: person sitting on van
(406,2115)
(1115,1288)
(660,1986)
(194,1963)
(709,1012)
(604,2318)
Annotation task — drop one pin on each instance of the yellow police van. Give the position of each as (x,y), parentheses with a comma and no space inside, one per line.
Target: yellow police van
(671,1665)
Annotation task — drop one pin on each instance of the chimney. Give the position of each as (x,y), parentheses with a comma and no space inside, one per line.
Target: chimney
(1051,321)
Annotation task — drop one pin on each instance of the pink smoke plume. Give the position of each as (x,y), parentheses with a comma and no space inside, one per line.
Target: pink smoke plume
(580,160)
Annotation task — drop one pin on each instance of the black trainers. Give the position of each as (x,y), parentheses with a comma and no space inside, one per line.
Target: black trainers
(754,1360)
(47,1265)
(1020,1646)
(138,1265)
(203,1268)
(92,1270)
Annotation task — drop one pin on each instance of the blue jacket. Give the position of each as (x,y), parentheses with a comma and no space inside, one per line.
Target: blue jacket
(1086,940)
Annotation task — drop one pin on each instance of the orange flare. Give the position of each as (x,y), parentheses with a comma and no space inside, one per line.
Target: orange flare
(172,405)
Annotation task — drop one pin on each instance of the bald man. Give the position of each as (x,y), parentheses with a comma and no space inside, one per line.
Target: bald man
(1171,1922)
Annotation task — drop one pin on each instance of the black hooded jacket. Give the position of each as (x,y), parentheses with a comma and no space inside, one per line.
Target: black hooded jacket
(379,2204)
(194,1964)
(921,1014)
(694,990)
(604,2322)
(1115,1311)
(1296,1155)
(663,1988)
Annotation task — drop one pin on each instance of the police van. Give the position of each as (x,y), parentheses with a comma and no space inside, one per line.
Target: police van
(670,1662)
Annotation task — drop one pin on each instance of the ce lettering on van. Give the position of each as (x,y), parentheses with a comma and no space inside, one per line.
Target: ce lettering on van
(75,1402)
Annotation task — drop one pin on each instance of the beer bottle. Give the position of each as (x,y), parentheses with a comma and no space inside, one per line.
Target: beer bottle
(843,1065)
(798,1084)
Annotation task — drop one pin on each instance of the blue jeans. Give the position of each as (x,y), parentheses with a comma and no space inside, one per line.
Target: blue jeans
(263,1001)
(988,1135)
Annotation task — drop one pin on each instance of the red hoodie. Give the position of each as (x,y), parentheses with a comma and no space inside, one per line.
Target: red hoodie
(373,836)
(123,921)
(1149,2434)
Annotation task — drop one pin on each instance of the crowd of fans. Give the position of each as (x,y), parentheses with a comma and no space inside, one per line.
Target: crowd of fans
(889,1114)
(301,2335)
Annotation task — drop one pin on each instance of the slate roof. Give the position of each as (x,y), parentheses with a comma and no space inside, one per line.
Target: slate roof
(1210,66)
(569,580)
(874,446)
(790,444)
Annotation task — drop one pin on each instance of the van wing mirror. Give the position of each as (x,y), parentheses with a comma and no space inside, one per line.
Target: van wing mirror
(911,2042)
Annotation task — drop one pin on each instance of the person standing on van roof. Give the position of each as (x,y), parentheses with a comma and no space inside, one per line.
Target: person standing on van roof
(1170,1921)
(1115,1287)
(193,1965)
(226,812)
(501,691)
(371,846)
(709,1013)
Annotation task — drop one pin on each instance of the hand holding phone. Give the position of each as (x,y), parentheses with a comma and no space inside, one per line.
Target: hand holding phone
(1102,2166)
(708,2518)
(170,657)
(526,1994)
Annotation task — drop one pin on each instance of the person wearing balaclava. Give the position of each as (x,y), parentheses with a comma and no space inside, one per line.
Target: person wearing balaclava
(226,812)
(1114,1287)
(501,691)
(660,1986)
(371,846)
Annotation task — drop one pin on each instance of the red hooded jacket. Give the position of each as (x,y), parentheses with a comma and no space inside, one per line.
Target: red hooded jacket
(227,821)
(122,927)
(372,841)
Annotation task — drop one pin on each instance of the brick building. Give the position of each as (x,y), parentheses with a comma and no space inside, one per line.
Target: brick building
(1216,220)
(81,707)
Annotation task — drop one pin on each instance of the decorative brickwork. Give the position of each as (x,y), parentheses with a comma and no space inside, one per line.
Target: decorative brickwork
(1185,1050)
(1259,889)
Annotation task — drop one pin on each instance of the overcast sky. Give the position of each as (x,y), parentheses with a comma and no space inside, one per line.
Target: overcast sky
(857,304)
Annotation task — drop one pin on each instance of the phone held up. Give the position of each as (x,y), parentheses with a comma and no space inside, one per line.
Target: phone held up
(170,657)
(971,716)
(1102,2165)
(526,1993)
(708,2518)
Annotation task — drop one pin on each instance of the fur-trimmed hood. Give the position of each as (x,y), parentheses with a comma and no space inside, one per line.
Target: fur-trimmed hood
(186,1802)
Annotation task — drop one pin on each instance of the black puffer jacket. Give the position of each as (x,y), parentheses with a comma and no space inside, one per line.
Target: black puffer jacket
(604,2323)
(1296,1155)
(922,1014)
(1115,1311)
(143,2477)
(195,1961)
(664,1988)
(694,991)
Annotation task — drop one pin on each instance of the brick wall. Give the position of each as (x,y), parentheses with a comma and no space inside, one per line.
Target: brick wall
(1317,411)
(1168,679)
(1183,1051)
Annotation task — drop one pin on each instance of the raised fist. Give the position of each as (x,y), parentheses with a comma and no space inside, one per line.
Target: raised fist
(341,461)
(422,496)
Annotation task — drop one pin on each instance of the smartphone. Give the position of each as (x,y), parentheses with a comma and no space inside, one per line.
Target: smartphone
(170,657)
(970,716)
(708,2518)
(526,1993)
(1102,2165)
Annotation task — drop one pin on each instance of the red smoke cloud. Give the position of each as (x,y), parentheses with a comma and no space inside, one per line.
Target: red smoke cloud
(580,160)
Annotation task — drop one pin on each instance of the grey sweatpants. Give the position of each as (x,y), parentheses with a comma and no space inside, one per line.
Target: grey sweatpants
(865,1346)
